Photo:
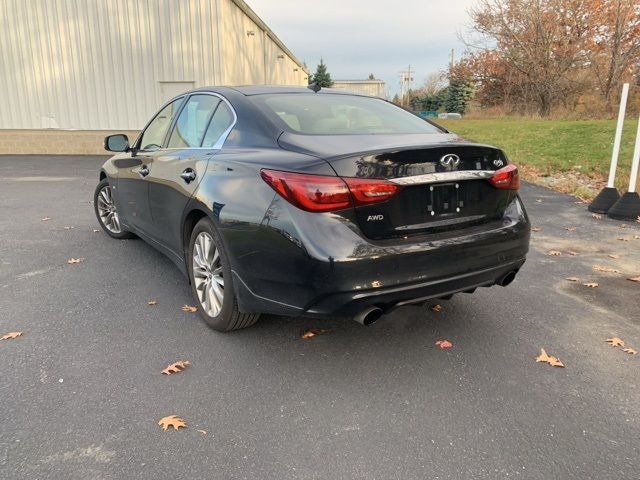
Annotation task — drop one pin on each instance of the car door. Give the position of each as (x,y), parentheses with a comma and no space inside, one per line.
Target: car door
(132,187)
(176,174)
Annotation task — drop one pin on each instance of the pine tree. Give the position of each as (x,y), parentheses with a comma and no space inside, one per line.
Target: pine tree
(459,93)
(321,77)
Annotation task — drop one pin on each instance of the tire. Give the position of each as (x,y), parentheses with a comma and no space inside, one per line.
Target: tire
(101,203)
(207,269)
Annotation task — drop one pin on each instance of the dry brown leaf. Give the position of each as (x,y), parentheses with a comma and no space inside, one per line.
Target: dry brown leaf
(11,335)
(630,351)
(613,255)
(554,253)
(204,432)
(436,308)
(637,237)
(634,279)
(444,344)
(45,219)
(572,253)
(615,342)
(623,239)
(624,225)
(573,279)
(596,216)
(71,261)
(536,229)
(189,308)
(570,229)
(550,359)
(602,268)
(176,367)
(68,227)
(591,285)
(171,421)
(152,302)
(312,332)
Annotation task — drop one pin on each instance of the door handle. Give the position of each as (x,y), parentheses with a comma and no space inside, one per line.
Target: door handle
(144,171)
(188,175)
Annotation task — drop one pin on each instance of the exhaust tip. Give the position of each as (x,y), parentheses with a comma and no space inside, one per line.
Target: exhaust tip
(368,316)
(508,278)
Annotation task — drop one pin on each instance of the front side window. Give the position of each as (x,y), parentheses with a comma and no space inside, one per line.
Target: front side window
(155,132)
(193,121)
(221,121)
(333,114)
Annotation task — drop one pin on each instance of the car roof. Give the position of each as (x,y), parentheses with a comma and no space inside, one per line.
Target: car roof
(249,90)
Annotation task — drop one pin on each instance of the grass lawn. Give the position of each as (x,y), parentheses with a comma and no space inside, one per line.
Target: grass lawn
(569,155)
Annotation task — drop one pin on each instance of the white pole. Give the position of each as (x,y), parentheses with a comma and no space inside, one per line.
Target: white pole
(633,180)
(618,137)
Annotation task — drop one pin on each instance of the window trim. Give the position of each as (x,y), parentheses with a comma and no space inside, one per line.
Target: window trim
(164,141)
(223,137)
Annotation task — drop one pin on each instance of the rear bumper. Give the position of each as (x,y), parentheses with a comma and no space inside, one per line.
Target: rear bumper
(324,267)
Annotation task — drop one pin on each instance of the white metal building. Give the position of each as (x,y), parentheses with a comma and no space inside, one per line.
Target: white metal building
(373,88)
(109,64)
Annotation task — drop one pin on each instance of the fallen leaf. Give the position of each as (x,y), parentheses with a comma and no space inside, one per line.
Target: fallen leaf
(613,255)
(570,229)
(615,342)
(624,225)
(536,229)
(601,268)
(591,285)
(436,307)
(68,227)
(71,261)
(189,308)
(630,351)
(623,239)
(204,432)
(444,344)
(538,200)
(45,219)
(572,253)
(579,202)
(11,335)
(637,237)
(554,253)
(171,421)
(573,279)
(312,332)
(634,279)
(96,230)
(152,302)
(176,367)
(550,359)
(596,216)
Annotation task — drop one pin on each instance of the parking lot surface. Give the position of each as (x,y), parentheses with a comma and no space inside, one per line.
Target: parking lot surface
(81,391)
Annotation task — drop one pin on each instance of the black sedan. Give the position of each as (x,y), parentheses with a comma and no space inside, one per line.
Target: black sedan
(292,201)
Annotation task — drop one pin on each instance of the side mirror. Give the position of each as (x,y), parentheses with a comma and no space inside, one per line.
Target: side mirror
(116,143)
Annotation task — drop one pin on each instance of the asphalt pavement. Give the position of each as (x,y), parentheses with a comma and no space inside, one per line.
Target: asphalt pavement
(81,391)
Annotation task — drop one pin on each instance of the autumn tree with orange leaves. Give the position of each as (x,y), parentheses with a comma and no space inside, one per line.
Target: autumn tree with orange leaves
(532,56)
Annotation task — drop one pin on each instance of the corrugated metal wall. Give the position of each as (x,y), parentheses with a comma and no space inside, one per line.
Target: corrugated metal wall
(108,64)
(374,88)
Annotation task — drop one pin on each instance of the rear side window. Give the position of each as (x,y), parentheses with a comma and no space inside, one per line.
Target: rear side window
(221,121)
(193,121)
(327,114)
(154,134)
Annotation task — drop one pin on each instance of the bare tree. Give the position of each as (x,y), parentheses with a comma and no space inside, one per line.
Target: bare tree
(433,83)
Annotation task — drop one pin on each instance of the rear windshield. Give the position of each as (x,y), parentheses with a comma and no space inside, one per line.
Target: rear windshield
(326,114)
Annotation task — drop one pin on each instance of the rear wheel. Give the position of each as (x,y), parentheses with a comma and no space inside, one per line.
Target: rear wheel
(106,211)
(211,280)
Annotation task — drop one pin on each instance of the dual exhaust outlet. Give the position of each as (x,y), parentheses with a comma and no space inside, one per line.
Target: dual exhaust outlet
(370,315)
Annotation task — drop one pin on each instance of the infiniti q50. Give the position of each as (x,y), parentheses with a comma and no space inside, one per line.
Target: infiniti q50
(293,201)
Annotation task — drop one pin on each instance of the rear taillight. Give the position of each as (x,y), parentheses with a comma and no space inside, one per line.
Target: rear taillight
(506,178)
(319,193)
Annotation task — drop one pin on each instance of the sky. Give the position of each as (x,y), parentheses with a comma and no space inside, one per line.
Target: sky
(358,37)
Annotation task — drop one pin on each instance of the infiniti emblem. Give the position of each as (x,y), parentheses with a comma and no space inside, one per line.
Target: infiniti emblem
(450,160)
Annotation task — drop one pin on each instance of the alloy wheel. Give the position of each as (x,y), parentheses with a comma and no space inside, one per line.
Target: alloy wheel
(107,210)
(207,274)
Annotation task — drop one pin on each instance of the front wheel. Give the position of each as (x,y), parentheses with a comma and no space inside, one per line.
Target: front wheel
(106,212)
(211,281)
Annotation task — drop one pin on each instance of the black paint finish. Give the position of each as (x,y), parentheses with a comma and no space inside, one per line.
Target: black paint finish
(289,261)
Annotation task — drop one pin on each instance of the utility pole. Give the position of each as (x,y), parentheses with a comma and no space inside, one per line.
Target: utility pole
(406,79)
(452,59)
